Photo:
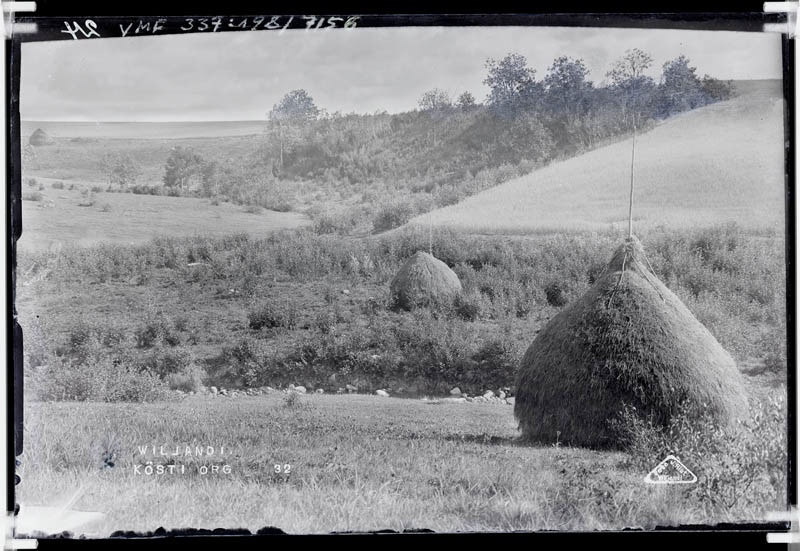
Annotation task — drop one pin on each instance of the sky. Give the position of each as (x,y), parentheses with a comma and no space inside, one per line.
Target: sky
(241,75)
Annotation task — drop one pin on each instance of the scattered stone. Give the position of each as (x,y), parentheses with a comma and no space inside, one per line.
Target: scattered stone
(320,391)
(270,389)
(464,395)
(455,392)
(332,378)
(345,291)
(488,394)
(340,391)
(191,393)
(455,399)
(382,392)
(501,395)
(376,357)
(299,389)
(291,386)
(213,390)
(351,388)
(510,400)
(223,392)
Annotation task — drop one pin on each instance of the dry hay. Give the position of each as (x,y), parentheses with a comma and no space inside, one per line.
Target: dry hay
(423,280)
(40,137)
(628,340)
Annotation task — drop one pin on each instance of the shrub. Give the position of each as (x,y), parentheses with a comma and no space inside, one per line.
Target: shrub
(163,362)
(253,209)
(555,294)
(144,189)
(87,198)
(122,170)
(468,306)
(278,204)
(97,379)
(57,185)
(97,189)
(190,379)
(158,328)
(741,471)
(333,222)
(31,182)
(32,196)
(393,216)
(253,362)
(282,313)
(106,207)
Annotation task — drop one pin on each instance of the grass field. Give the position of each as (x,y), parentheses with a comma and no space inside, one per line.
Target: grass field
(356,463)
(58,220)
(81,159)
(717,164)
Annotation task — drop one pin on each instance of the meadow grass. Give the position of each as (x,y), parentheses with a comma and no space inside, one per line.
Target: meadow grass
(126,218)
(356,463)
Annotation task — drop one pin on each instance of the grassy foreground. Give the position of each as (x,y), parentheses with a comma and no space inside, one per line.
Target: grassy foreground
(357,463)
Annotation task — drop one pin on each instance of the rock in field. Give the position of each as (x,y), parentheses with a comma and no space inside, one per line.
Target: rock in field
(213,390)
(300,389)
(382,392)
(488,394)
(455,392)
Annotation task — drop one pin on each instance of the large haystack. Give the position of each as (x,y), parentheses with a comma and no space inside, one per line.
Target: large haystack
(629,340)
(40,137)
(423,280)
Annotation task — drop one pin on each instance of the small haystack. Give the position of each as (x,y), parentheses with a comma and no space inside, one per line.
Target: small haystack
(629,340)
(423,279)
(40,137)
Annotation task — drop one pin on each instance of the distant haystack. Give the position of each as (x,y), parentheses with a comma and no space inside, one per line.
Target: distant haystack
(628,340)
(40,137)
(423,279)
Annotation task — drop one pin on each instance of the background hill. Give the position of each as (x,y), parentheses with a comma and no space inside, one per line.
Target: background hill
(719,163)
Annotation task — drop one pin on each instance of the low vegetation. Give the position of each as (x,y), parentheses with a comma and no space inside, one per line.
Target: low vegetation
(310,309)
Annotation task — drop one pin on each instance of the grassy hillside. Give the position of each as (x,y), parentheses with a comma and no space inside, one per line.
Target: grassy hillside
(719,163)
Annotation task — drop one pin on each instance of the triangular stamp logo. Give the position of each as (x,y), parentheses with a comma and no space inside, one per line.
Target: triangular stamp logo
(670,471)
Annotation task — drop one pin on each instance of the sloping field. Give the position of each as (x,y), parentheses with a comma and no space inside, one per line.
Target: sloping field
(720,163)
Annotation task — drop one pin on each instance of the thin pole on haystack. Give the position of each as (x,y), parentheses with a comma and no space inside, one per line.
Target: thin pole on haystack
(630,204)
(633,160)
(430,233)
